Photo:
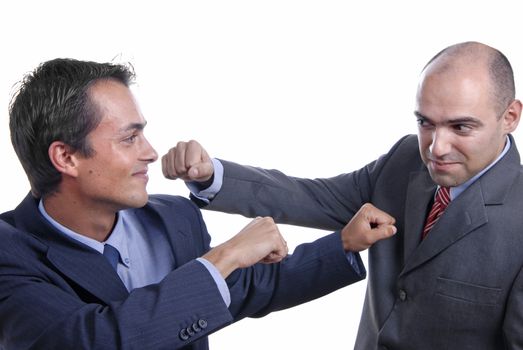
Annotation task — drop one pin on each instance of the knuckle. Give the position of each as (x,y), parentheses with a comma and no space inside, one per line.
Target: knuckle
(269,219)
(366,206)
(192,143)
(265,219)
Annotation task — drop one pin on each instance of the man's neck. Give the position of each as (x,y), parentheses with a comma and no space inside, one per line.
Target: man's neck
(93,221)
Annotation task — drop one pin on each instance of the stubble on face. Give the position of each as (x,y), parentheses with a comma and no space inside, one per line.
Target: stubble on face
(460,133)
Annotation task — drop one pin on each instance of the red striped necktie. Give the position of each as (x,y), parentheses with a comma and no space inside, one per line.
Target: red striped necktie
(440,203)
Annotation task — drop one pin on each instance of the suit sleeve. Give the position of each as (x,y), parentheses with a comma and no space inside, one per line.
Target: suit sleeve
(313,270)
(319,203)
(40,309)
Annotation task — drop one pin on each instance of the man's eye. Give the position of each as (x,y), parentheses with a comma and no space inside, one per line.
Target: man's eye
(130,139)
(462,128)
(423,123)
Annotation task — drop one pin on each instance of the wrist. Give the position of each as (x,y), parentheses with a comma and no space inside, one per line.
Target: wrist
(203,185)
(222,259)
(345,242)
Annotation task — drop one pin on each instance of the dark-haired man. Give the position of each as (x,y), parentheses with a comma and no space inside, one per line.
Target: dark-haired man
(89,261)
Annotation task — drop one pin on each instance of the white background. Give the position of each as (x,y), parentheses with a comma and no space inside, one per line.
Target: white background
(314,88)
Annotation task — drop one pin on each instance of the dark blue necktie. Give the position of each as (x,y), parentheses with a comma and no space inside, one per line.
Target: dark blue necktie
(112,255)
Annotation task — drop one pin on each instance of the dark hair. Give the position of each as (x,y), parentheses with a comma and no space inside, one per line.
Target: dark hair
(499,68)
(53,104)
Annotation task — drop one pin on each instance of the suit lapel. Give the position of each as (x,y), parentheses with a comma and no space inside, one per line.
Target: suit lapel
(87,267)
(83,265)
(463,215)
(90,270)
(161,216)
(419,195)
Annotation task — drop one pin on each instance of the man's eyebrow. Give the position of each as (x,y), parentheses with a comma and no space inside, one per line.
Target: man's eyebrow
(465,119)
(456,120)
(134,126)
(419,115)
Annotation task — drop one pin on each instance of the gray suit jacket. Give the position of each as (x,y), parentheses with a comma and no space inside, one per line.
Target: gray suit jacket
(56,293)
(460,288)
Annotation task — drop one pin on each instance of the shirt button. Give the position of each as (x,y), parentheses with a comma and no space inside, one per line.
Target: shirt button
(402,295)
(126,260)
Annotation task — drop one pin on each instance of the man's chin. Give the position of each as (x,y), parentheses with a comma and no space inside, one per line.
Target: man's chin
(445,180)
(139,201)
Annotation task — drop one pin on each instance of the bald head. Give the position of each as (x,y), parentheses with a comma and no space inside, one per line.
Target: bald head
(474,56)
(465,109)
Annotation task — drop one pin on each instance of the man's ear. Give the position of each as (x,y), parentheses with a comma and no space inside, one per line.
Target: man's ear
(63,159)
(512,116)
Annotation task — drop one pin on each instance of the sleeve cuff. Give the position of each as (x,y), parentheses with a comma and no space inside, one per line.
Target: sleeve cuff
(207,194)
(218,279)
(354,261)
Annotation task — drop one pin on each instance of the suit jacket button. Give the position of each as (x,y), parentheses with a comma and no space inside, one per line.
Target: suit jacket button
(195,327)
(202,323)
(402,295)
(183,335)
(189,331)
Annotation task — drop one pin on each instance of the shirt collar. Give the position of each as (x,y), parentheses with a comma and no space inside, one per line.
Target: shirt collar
(117,238)
(456,191)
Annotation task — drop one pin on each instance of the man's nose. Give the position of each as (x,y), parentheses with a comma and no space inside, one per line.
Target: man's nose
(441,142)
(148,152)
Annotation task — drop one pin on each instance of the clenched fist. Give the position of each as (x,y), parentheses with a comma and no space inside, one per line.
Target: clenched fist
(259,241)
(366,227)
(187,161)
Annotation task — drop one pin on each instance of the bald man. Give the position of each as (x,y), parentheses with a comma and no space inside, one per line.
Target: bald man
(451,278)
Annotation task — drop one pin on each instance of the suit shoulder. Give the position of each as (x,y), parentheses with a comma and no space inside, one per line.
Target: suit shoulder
(408,143)
(18,243)
(178,203)
(406,150)
(8,217)
(404,155)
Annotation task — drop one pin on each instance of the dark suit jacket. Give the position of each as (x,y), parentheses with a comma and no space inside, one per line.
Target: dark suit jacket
(460,288)
(56,293)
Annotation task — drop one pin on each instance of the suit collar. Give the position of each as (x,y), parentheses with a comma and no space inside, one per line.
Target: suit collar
(80,263)
(497,182)
(463,215)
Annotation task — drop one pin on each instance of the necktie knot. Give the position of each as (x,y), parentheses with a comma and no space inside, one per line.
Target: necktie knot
(440,204)
(112,255)
(443,196)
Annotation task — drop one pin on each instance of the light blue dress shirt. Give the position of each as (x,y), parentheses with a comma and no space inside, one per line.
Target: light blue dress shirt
(145,254)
